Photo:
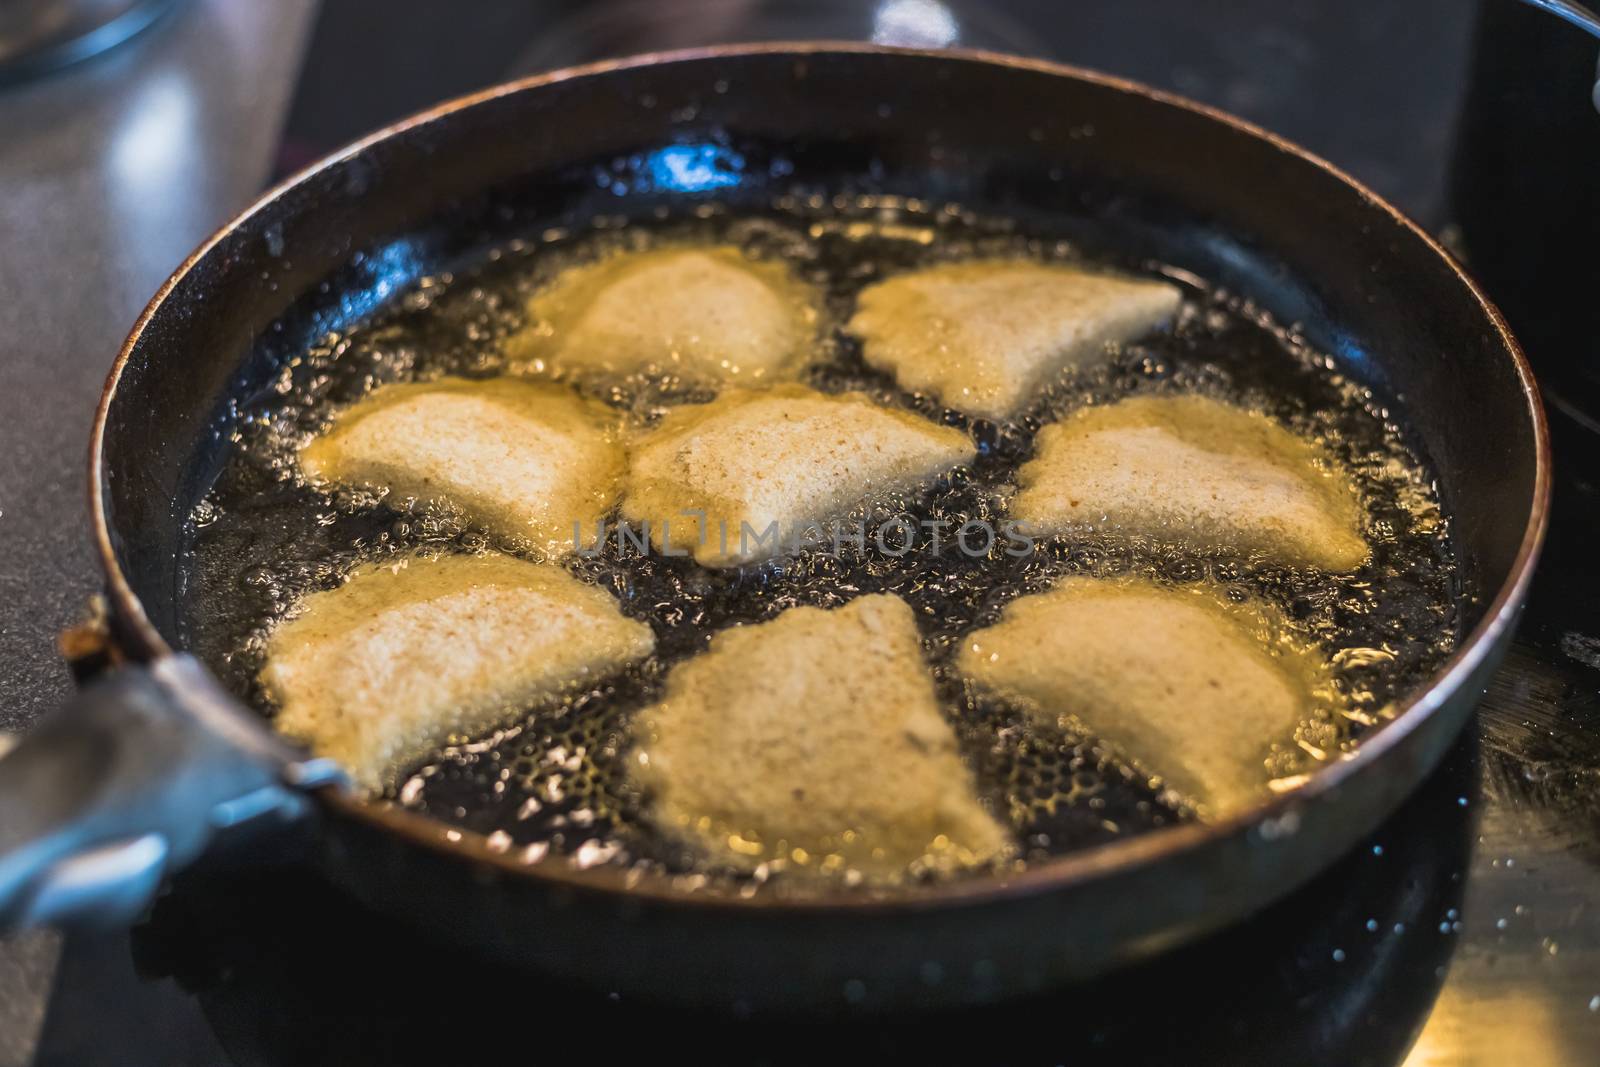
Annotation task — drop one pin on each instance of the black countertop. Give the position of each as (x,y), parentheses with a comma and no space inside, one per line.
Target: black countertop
(1466,931)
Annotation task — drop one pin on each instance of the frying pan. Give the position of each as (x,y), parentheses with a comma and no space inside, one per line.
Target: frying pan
(154,765)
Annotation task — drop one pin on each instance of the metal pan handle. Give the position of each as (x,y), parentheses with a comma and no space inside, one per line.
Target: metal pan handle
(136,777)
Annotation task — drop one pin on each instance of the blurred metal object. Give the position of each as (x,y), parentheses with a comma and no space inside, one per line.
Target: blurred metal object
(1585,20)
(1523,189)
(41,35)
(1576,14)
(98,802)
(915,24)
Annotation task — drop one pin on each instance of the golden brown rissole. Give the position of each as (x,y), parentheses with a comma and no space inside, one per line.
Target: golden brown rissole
(1193,469)
(778,459)
(386,668)
(529,462)
(1192,686)
(984,336)
(705,314)
(815,740)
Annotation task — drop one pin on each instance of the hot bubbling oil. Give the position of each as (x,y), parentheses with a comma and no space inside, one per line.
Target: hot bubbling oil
(556,785)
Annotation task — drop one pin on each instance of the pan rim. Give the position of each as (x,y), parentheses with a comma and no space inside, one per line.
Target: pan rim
(144,642)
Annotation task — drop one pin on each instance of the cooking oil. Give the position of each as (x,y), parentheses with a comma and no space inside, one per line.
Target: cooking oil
(554,788)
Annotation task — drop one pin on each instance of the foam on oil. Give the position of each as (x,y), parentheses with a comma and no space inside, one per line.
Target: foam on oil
(555,784)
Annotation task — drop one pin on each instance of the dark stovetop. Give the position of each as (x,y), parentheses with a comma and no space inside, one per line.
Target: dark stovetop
(1465,931)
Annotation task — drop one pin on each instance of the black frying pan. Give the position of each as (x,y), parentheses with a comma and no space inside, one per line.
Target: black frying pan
(154,765)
